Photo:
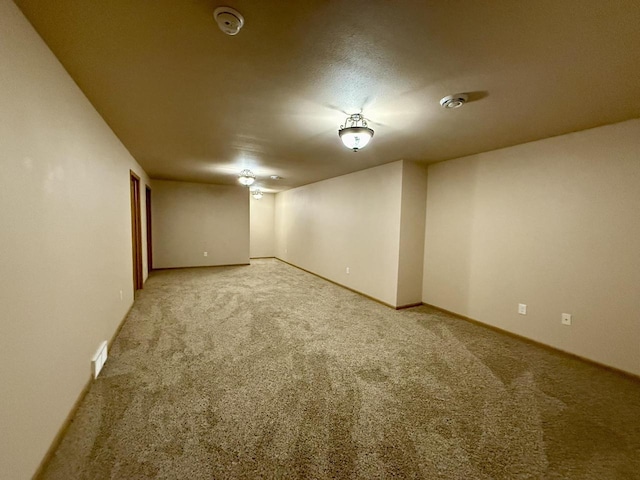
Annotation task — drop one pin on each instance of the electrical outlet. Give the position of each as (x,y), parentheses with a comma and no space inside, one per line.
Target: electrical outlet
(348,270)
(566,319)
(206,254)
(522,309)
(121,297)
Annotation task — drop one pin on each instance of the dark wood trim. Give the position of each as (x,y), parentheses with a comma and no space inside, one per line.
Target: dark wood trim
(338,284)
(136,231)
(147,197)
(258,258)
(399,307)
(624,373)
(119,328)
(62,431)
(409,305)
(203,266)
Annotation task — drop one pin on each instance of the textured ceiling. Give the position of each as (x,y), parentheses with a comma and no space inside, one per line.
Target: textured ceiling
(191,103)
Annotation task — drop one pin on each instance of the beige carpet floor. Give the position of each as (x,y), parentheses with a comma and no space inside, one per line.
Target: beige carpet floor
(266,371)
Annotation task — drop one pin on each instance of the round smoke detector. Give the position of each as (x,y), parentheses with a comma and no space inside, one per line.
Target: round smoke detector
(454,101)
(228,19)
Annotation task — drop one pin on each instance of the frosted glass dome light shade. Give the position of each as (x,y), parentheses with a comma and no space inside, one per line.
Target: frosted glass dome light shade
(355,134)
(355,138)
(257,194)
(246,177)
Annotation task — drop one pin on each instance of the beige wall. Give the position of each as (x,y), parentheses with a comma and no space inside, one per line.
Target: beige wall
(262,226)
(192,218)
(65,241)
(349,221)
(412,221)
(553,224)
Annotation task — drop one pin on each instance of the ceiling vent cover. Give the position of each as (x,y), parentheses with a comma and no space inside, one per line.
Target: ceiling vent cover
(229,20)
(454,101)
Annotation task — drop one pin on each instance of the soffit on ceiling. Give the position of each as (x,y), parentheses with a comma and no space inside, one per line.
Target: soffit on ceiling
(193,104)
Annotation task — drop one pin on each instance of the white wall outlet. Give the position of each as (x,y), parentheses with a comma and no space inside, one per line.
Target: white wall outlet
(121,297)
(348,270)
(566,319)
(99,359)
(206,254)
(522,309)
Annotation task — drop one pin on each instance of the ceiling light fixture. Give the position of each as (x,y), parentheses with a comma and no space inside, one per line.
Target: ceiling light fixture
(257,194)
(355,134)
(246,177)
(275,177)
(454,101)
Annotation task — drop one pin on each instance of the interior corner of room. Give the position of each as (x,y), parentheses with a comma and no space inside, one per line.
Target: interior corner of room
(551,223)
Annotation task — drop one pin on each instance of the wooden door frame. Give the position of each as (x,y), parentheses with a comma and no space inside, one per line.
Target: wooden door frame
(147,191)
(136,231)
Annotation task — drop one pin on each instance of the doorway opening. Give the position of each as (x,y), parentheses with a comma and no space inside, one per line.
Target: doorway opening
(149,243)
(136,231)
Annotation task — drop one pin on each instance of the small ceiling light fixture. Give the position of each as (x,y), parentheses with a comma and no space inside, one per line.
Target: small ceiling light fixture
(246,177)
(275,177)
(230,21)
(355,134)
(257,194)
(454,101)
